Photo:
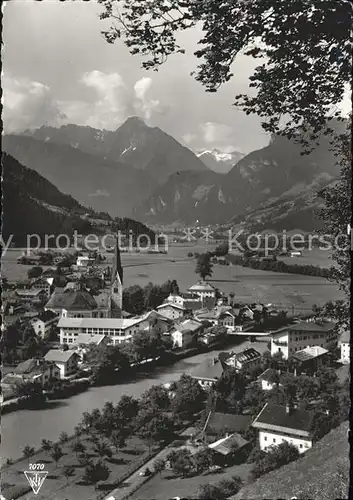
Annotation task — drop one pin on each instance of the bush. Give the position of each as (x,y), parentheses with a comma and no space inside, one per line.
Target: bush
(190,254)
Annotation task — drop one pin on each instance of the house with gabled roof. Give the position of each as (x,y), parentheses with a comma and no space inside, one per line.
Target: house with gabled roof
(66,361)
(38,370)
(73,303)
(172,310)
(290,339)
(203,290)
(245,360)
(277,424)
(208,372)
(44,322)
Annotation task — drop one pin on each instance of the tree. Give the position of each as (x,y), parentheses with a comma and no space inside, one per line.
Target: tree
(209,491)
(78,447)
(68,472)
(159,465)
(189,397)
(302,78)
(204,265)
(229,487)
(275,457)
(180,461)
(203,459)
(63,438)
(34,272)
(46,445)
(95,472)
(85,460)
(155,397)
(56,454)
(103,449)
(118,439)
(153,426)
(28,451)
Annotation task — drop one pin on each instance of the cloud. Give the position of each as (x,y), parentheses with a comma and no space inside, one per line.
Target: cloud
(112,97)
(189,138)
(216,134)
(28,104)
(100,192)
(145,107)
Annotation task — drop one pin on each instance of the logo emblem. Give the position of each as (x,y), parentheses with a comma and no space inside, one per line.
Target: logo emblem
(36,479)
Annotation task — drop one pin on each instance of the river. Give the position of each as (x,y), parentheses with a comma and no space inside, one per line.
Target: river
(24,427)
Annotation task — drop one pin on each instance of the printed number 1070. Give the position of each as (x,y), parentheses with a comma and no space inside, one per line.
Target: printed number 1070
(36,466)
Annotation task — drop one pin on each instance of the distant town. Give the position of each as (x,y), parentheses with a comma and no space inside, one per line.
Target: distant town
(265,379)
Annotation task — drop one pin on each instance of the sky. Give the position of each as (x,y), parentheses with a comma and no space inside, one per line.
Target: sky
(57,69)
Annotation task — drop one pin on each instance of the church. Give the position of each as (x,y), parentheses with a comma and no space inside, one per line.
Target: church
(116,287)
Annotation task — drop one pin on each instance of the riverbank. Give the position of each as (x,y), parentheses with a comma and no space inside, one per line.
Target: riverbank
(81,385)
(29,427)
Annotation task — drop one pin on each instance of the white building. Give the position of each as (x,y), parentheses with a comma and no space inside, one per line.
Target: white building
(345,345)
(203,290)
(269,379)
(293,338)
(185,332)
(277,424)
(66,361)
(44,322)
(245,360)
(171,310)
(84,261)
(118,330)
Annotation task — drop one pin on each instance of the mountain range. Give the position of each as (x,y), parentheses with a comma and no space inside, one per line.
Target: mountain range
(142,172)
(219,161)
(133,144)
(273,185)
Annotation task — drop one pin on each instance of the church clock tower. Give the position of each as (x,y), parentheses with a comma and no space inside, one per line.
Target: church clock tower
(116,289)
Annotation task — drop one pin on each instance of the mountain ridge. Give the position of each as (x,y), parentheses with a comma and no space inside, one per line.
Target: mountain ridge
(134,143)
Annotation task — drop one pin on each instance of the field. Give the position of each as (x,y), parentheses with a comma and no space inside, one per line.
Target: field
(56,487)
(166,485)
(288,291)
(314,257)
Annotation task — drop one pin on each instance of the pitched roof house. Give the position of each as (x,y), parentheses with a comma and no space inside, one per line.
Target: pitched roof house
(65,360)
(277,424)
(208,372)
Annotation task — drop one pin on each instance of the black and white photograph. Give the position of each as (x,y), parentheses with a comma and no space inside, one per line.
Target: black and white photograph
(176,249)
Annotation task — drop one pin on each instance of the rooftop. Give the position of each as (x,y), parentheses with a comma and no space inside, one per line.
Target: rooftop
(46,316)
(275,417)
(268,374)
(171,304)
(228,444)
(218,422)
(88,338)
(72,300)
(311,326)
(188,325)
(345,337)
(246,355)
(114,323)
(210,369)
(202,286)
(31,366)
(57,355)
(310,353)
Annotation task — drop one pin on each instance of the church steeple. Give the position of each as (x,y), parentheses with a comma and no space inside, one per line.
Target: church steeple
(116,288)
(117,267)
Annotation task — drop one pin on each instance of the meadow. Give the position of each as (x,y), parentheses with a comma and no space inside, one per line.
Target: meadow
(288,291)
